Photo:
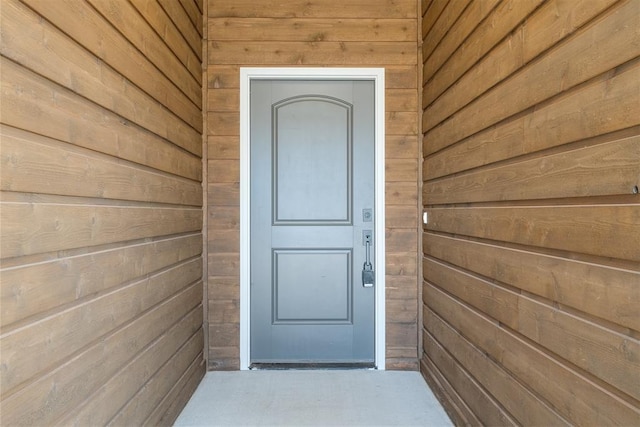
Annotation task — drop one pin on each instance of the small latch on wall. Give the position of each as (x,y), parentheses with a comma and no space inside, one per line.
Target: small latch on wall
(425,218)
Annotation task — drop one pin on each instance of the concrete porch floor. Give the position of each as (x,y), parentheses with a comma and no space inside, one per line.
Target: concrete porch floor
(313,398)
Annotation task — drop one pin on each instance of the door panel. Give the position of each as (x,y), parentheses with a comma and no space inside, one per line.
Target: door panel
(305,149)
(312,172)
(312,286)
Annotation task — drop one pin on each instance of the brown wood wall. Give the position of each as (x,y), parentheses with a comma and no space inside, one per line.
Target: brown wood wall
(531,114)
(101,146)
(356,33)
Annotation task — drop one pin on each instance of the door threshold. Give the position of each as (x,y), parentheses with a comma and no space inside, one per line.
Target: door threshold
(312,365)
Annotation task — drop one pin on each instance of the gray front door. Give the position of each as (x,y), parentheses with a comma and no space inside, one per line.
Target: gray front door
(312,198)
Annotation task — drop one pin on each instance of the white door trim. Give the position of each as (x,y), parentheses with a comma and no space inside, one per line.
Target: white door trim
(246,75)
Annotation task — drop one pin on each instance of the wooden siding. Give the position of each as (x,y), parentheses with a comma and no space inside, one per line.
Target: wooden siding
(356,33)
(531,168)
(101,204)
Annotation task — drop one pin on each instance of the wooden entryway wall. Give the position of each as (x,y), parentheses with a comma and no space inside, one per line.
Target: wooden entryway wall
(530,156)
(356,33)
(101,144)
(531,171)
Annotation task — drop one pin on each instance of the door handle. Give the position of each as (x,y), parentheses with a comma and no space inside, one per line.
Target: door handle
(368,275)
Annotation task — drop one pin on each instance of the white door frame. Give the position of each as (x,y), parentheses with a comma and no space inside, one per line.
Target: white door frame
(377,76)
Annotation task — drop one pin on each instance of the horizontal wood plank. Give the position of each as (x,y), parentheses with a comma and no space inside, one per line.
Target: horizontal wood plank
(401,287)
(401,146)
(402,264)
(401,216)
(434,12)
(499,303)
(228,76)
(401,77)
(72,383)
(401,100)
(312,53)
(92,320)
(223,123)
(433,34)
(224,194)
(316,9)
(223,77)
(167,412)
(404,336)
(401,193)
(224,288)
(401,240)
(76,17)
(401,364)
(58,113)
(512,53)
(223,100)
(177,41)
(223,364)
(451,401)
(532,366)
(157,386)
(475,396)
(223,171)
(557,19)
(424,5)
(564,334)
(606,169)
(312,30)
(223,147)
(31,228)
(402,311)
(602,230)
(193,33)
(401,123)
(36,164)
(78,70)
(224,265)
(526,407)
(605,106)
(223,311)
(500,63)
(402,357)
(223,241)
(401,170)
(194,14)
(545,78)
(605,292)
(620,111)
(613,357)
(224,335)
(224,217)
(28,290)
(126,20)
(224,353)
(481,28)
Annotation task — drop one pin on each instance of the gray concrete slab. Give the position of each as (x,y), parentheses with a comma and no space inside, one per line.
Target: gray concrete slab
(313,398)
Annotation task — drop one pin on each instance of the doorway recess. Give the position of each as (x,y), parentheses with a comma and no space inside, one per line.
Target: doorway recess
(376,75)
